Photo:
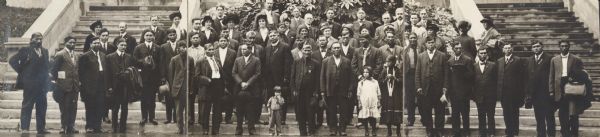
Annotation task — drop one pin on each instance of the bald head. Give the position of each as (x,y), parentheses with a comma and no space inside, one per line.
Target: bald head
(122,27)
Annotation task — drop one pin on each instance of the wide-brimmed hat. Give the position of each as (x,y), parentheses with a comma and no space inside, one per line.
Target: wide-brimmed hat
(175,14)
(95,24)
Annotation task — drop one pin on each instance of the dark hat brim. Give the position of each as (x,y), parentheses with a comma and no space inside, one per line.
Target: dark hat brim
(175,14)
(95,24)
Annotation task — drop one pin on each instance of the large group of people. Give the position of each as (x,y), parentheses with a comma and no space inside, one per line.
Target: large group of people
(377,72)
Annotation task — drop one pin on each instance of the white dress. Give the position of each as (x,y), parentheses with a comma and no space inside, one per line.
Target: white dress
(368,92)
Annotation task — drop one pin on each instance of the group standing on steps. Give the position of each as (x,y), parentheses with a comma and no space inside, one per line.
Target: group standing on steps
(384,71)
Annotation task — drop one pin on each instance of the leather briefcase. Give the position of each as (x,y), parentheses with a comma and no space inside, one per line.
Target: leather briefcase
(574,89)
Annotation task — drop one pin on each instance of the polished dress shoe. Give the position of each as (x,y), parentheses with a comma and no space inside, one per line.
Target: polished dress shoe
(143,122)
(167,122)
(72,131)
(42,132)
(153,122)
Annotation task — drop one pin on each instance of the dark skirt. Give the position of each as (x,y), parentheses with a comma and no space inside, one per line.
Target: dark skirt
(391,106)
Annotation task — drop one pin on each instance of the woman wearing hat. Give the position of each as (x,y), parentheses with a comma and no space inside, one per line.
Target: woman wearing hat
(95,27)
(209,34)
(490,37)
(175,17)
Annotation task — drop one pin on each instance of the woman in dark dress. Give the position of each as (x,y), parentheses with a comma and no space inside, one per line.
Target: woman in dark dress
(391,95)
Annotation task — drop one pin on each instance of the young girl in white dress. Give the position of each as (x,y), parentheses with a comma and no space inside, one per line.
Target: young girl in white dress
(368,94)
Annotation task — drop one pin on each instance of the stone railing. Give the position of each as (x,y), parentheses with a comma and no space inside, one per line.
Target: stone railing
(587,11)
(55,22)
(517,1)
(467,10)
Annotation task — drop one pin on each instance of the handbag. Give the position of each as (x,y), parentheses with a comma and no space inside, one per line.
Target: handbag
(575,89)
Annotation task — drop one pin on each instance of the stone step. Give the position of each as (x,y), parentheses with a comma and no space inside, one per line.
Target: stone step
(119,18)
(548,35)
(130,13)
(547,40)
(87,31)
(116,23)
(135,114)
(529,9)
(541,30)
(116,27)
(134,129)
(539,24)
(534,19)
(527,14)
(132,8)
(520,5)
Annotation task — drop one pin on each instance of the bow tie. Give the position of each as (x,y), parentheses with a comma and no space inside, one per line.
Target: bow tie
(482,63)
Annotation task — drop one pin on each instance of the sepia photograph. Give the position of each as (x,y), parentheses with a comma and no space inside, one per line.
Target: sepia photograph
(422,68)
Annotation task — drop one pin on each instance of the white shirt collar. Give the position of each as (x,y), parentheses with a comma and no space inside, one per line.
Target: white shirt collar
(565,56)
(119,52)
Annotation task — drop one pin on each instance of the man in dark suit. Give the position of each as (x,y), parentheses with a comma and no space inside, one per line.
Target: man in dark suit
(304,83)
(484,92)
(319,54)
(362,21)
(246,72)
(410,57)
(209,75)
(287,34)
(107,48)
(336,75)
(148,56)
(308,23)
(562,68)
(227,58)
(538,94)
(159,33)
(431,85)
(278,61)
(93,76)
(367,55)
(272,15)
(66,78)
(460,80)
(231,43)
(510,88)
(178,75)
(131,41)
(255,50)
(329,21)
(167,51)
(118,76)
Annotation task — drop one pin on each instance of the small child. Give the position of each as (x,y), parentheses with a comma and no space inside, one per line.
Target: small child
(274,105)
(368,94)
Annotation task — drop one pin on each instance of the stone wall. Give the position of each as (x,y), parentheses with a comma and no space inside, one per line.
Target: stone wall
(587,11)
(56,22)
(28,3)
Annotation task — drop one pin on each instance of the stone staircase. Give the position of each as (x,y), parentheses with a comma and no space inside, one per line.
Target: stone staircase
(519,23)
(136,17)
(10,104)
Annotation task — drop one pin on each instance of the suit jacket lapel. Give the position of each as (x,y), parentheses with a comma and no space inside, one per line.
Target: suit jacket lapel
(570,62)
